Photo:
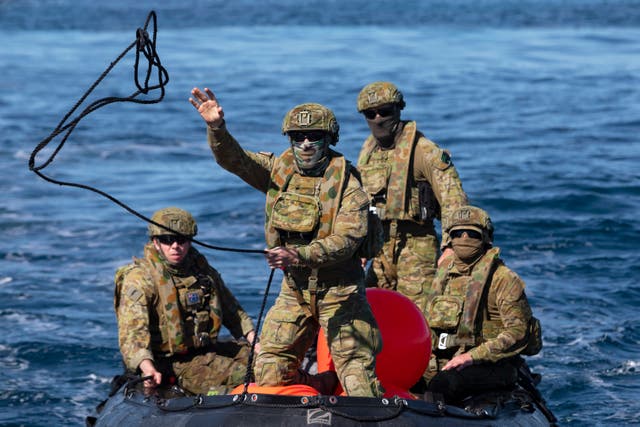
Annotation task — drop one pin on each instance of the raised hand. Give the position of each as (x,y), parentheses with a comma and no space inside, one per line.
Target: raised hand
(208,107)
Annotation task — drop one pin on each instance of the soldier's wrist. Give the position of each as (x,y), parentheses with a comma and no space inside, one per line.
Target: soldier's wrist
(217,127)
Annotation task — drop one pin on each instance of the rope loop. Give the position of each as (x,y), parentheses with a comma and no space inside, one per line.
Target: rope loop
(146,46)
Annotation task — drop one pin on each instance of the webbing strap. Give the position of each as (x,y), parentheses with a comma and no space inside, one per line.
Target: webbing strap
(313,292)
(389,267)
(298,293)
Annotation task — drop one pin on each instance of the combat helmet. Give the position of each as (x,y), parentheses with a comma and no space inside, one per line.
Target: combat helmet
(379,93)
(474,218)
(311,116)
(174,218)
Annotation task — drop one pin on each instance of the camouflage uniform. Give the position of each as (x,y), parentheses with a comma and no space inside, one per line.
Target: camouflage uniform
(326,289)
(394,178)
(172,316)
(479,308)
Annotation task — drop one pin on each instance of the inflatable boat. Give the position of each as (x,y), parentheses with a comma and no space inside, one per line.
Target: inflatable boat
(406,339)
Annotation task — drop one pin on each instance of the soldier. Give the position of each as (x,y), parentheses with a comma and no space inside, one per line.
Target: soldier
(170,306)
(478,313)
(410,182)
(316,217)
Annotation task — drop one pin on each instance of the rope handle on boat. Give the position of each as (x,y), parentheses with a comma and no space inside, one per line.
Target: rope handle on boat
(132,382)
(145,46)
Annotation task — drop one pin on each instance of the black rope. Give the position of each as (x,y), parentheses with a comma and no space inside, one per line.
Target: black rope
(145,46)
(249,374)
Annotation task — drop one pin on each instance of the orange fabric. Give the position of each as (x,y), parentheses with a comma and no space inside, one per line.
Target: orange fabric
(286,390)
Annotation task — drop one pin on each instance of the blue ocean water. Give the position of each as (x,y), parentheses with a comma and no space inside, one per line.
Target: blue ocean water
(538,102)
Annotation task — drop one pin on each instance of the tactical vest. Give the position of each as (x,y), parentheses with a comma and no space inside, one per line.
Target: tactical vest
(453,315)
(190,316)
(312,216)
(390,186)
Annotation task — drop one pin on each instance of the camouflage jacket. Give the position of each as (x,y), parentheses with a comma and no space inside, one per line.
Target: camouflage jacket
(333,252)
(395,174)
(485,309)
(163,310)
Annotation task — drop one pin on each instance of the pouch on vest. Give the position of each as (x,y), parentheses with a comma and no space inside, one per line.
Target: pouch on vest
(534,343)
(374,240)
(445,312)
(374,178)
(295,212)
(429,206)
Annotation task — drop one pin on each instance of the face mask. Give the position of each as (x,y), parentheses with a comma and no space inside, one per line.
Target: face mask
(310,156)
(383,129)
(467,249)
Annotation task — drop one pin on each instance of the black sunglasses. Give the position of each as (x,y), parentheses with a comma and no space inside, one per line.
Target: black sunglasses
(170,239)
(382,112)
(312,135)
(473,234)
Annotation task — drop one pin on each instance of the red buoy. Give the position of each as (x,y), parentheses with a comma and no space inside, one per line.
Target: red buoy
(406,340)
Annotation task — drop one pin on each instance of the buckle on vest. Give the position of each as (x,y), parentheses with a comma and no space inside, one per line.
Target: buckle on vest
(446,341)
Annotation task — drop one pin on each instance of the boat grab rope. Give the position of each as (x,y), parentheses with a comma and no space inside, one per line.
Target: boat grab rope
(146,46)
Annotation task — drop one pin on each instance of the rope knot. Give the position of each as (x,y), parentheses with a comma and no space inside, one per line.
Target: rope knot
(142,38)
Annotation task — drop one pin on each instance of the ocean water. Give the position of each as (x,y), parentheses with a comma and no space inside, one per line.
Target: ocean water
(538,102)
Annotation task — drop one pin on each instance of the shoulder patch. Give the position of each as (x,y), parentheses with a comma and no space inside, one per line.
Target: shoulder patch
(443,160)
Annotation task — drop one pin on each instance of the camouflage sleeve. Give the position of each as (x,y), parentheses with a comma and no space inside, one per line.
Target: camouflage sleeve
(136,299)
(252,168)
(234,318)
(434,164)
(349,229)
(508,302)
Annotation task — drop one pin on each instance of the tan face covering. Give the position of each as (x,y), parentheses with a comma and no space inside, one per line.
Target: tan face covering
(467,249)
(384,129)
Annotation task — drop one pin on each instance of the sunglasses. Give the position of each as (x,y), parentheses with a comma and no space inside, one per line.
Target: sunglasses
(170,239)
(473,234)
(382,112)
(312,135)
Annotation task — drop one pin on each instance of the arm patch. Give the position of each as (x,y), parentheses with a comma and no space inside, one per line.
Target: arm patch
(133,294)
(443,160)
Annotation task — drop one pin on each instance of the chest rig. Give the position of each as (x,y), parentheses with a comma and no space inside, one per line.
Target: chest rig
(389,181)
(454,306)
(300,209)
(187,304)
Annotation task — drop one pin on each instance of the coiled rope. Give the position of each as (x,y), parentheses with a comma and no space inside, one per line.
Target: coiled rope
(145,46)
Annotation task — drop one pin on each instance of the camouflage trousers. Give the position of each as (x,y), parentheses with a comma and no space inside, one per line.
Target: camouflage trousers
(415,261)
(350,329)
(215,372)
